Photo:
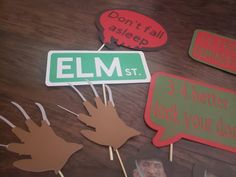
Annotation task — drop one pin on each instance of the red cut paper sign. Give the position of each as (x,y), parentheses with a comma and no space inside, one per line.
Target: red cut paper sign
(130,29)
(214,50)
(178,107)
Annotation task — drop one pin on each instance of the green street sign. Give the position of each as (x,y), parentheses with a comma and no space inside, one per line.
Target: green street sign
(110,67)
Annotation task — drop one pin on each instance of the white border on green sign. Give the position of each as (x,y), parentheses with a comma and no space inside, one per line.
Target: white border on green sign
(143,59)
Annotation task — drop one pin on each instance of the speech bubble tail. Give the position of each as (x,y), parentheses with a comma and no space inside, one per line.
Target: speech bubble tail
(165,138)
(112,42)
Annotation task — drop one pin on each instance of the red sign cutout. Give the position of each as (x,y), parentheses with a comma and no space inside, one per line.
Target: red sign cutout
(214,50)
(130,29)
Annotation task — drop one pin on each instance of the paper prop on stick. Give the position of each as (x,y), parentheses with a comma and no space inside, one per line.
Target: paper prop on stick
(215,50)
(47,150)
(178,108)
(130,29)
(109,129)
(111,67)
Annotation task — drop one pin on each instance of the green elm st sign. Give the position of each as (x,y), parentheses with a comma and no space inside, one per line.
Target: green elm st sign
(110,67)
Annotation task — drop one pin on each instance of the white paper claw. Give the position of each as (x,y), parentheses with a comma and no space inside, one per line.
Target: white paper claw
(21,110)
(44,116)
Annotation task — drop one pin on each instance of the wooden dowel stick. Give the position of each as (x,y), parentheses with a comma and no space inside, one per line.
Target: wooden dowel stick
(61,174)
(111,153)
(121,163)
(205,173)
(67,110)
(171,152)
(104,94)
(3,145)
(105,102)
(101,47)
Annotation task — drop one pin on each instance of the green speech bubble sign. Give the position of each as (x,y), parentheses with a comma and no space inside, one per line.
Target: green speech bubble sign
(178,107)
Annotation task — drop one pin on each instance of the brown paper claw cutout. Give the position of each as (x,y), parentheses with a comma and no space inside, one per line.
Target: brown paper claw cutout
(47,150)
(110,130)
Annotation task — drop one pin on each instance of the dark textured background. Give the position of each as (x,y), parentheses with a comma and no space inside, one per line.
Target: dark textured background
(29,29)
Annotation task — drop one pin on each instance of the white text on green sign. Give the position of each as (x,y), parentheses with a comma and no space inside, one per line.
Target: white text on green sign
(111,67)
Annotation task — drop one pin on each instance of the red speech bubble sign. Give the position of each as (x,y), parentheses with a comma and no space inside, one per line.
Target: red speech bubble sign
(213,49)
(130,29)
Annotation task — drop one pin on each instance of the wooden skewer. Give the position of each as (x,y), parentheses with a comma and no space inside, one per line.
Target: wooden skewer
(101,47)
(68,110)
(111,153)
(105,102)
(61,174)
(171,152)
(205,173)
(3,145)
(121,163)
(104,94)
